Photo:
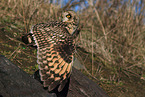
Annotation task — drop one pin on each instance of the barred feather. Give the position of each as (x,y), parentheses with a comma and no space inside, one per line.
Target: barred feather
(55,49)
(54,53)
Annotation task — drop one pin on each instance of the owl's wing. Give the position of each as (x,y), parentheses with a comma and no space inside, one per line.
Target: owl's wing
(54,54)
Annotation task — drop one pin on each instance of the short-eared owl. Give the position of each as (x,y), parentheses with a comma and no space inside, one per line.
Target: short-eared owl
(55,48)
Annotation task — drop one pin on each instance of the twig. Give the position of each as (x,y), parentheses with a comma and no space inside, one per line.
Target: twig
(35,11)
(92,53)
(19,62)
(14,51)
(97,14)
(15,40)
(103,29)
(86,58)
(135,74)
(25,59)
(24,15)
(29,55)
(99,70)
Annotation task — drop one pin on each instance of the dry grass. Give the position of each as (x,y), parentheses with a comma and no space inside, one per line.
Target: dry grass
(118,37)
(25,13)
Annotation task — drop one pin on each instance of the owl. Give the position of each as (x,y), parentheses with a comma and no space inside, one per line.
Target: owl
(55,49)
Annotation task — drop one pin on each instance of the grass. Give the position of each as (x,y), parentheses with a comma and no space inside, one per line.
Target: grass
(110,45)
(118,38)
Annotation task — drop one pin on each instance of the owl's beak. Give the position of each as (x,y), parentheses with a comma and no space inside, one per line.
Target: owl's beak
(65,19)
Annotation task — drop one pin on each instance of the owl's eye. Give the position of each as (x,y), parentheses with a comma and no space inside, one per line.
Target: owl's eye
(69,16)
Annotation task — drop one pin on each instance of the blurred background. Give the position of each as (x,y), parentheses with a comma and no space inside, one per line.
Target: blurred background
(110,49)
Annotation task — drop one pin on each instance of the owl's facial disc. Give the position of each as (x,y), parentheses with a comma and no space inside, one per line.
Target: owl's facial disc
(70,17)
(67,17)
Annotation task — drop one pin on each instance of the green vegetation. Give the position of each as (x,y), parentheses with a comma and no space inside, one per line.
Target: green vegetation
(111,44)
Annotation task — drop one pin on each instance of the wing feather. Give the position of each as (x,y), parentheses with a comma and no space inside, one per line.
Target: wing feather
(54,53)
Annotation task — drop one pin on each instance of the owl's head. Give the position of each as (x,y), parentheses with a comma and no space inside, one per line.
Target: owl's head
(71,18)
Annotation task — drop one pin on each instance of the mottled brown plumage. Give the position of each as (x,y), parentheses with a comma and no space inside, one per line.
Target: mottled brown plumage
(55,48)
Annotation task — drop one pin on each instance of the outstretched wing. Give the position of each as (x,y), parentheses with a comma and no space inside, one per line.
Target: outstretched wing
(54,53)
